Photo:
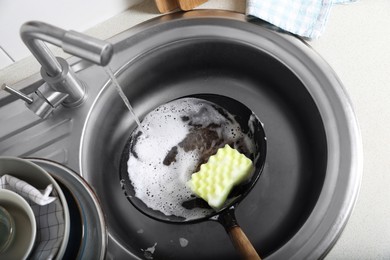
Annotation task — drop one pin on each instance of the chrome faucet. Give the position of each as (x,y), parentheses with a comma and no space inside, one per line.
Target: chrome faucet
(61,84)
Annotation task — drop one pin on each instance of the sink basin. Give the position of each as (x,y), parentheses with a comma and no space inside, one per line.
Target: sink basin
(312,171)
(311,178)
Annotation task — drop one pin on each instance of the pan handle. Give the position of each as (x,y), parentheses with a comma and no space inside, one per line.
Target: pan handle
(242,243)
(237,236)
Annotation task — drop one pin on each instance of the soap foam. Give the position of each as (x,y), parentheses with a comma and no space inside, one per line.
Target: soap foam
(179,135)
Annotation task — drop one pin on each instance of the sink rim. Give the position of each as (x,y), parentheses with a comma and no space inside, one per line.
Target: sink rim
(340,125)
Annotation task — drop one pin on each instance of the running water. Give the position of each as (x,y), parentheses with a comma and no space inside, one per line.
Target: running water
(122,95)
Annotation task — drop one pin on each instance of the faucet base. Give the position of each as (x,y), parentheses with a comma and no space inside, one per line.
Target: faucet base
(66,82)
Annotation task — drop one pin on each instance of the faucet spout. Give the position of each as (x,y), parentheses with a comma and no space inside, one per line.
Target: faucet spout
(56,71)
(35,33)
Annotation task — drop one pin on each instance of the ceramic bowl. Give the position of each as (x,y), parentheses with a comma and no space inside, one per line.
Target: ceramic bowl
(40,179)
(25,225)
(7,229)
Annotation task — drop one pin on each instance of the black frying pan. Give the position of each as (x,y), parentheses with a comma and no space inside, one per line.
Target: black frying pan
(225,215)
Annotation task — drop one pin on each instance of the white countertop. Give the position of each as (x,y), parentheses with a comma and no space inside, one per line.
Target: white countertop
(356,43)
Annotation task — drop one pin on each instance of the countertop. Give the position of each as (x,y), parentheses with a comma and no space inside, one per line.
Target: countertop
(356,44)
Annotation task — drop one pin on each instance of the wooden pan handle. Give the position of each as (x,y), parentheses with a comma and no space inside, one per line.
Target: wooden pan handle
(239,240)
(186,5)
(165,6)
(242,243)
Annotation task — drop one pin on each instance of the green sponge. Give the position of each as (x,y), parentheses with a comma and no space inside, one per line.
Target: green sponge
(216,178)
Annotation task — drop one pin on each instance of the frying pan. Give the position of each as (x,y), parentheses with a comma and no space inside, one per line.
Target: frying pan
(225,216)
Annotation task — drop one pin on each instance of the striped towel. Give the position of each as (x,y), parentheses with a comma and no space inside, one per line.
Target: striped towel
(26,190)
(306,18)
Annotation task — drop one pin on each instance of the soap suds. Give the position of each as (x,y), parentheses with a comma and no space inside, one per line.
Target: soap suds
(183,242)
(148,252)
(181,135)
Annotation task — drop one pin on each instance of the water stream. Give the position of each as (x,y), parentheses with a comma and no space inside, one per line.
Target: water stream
(115,83)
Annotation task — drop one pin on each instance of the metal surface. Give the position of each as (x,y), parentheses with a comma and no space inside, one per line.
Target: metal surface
(17,93)
(34,34)
(312,174)
(64,85)
(93,234)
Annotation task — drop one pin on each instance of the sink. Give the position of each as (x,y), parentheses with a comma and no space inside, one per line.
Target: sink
(312,174)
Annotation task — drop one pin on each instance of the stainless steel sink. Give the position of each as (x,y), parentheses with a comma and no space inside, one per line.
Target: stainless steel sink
(22,133)
(312,175)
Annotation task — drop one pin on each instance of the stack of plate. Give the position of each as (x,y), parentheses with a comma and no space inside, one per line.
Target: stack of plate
(78,216)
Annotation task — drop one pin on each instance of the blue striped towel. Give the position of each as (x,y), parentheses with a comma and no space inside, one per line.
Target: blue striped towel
(306,18)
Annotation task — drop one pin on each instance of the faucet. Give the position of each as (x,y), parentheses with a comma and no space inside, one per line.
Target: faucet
(61,84)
